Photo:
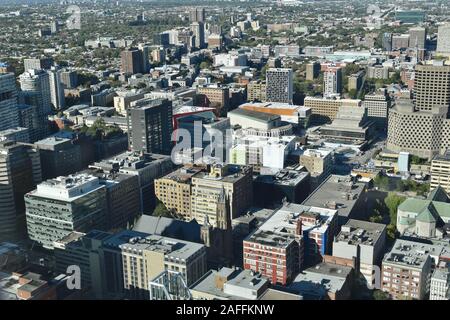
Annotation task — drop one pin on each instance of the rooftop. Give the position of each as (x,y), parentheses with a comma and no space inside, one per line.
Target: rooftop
(174,248)
(338,192)
(412,254)
(360,232)
(255,115)
(320,279)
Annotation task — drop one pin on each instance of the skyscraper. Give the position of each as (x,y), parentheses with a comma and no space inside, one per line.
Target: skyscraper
(417,37)
(20,172)
(9,114)
(132,61)
(150,126)
(387,41)
(280,85)
(197,15)
(56,88)
(443,45)
(198,29)
(37,63)
(432,86)
(332,81)
(35,85)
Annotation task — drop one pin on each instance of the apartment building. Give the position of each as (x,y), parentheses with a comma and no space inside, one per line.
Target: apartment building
(440,172)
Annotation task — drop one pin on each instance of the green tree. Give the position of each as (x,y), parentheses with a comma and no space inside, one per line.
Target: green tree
(161,210)
(381,182)
(380,295)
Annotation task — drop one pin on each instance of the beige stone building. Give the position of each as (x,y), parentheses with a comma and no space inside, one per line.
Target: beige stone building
(325,110)
(174,190)
(256,91)
(440,172)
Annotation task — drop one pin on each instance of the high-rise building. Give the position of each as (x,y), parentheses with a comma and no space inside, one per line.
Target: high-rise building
(332,82)
(198,29)
(312,70)
(20,172)
(59,157)
(37,64)
(132,61)
(197,15)
(63,205)
(56,89)
(69,79)
(150,126)
(9,114)
(378,105)
(280,85)
(387,41)
(145,49)
(443,45)
(431,86)
(35,85)
(417,37)
(217,95)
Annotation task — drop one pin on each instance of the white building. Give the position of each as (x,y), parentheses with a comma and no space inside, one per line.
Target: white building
(440,284)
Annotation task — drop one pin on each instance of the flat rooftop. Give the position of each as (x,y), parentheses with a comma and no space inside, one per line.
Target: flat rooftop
(255,115)
(411,254)
(174,248)
(322,278)
(184,174)
(360,232)
(284,177)
(337,191)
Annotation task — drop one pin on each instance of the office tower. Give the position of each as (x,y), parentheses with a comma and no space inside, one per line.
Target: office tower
(197,15)
(162,39)
(145,49)
(332,81)
(35,85)
(234,181)
(56,89)
(69,79)
(215,41)
(356,80)
(153,255)
(131,61)
(20,172)
(150,126)
(37,64)
(9,114)
(387,41)
(312,70)
(54,27)
(417,37)
(400,41)
(378,105)
(63,205)
(198,29)
(280,85)
(431,86)
(443,44)
(421,133)
(59,157)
